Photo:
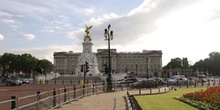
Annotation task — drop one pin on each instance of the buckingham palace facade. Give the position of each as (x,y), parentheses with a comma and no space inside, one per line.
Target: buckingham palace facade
(147,62)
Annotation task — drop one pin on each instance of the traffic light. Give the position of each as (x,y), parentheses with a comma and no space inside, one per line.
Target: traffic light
(82,68)
(87,67)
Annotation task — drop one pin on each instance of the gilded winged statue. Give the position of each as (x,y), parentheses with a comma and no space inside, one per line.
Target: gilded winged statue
(87,30)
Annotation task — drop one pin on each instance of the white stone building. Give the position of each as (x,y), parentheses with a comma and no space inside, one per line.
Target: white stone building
(147,62)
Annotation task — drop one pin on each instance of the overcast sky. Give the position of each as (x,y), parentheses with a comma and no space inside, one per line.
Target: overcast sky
(180,28)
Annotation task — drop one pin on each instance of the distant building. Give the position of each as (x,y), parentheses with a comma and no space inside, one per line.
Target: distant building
(171,72)
(147,63)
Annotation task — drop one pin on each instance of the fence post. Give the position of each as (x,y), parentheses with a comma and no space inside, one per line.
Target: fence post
(103,86)
(93,88)
(38,100)
(195,84)
(96,87)
(150,90)
(139,89)
(13,102)
(202,83)
(54,97)
(64,94)
(158,90)
(63,81)
(83,89)
(74,91)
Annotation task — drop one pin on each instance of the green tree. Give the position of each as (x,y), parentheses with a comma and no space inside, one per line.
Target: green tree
(211,64)
(174,63)
(44,66)
(185,63)
(8,63)
(28,63)
(25,63)
(177,63)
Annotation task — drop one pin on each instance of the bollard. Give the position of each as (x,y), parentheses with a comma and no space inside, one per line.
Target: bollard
(64,98)
(139,90)
(13,102)
(54,97)
(38,100)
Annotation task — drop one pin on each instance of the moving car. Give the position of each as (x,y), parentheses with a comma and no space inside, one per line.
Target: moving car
(177,80)
(13,80)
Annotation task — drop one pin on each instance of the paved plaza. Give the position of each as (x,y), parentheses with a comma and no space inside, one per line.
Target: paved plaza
(103,101)
(108,100)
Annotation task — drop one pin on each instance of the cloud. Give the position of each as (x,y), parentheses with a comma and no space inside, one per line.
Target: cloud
(1,37)
(29,36)
(44,52)
(89,10)
(130,29)
(5,14)
(7,21)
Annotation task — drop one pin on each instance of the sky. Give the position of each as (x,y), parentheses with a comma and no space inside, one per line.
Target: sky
(179,28)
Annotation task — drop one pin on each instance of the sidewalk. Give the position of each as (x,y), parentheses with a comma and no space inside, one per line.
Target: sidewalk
(108,100)
(103,101)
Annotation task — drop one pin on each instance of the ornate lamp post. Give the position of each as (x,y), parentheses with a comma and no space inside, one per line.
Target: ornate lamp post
(109,36)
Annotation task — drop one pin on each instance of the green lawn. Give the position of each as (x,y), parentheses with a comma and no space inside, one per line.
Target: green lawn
(166,101)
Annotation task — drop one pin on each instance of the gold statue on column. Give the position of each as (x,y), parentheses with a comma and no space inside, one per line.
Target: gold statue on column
(87,30)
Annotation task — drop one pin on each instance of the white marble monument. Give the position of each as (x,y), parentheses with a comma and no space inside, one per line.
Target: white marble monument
(88,56)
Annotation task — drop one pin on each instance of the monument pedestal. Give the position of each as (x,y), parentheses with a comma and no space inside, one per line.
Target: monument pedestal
(87,56)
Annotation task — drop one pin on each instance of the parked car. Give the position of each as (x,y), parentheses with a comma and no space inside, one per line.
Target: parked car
(201,78)
(25,80)
(177,80)
(128,80)
(13,80)
(144,83)
(159,80)
(191,81)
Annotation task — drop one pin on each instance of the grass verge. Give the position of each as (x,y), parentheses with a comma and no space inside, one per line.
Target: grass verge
(166,101)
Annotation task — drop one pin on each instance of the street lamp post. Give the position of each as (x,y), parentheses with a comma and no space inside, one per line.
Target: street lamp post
(109,36)
(147,60)
(136,69)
